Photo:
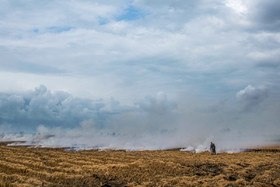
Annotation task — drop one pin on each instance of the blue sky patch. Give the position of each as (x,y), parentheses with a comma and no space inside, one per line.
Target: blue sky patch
(36,30)
(57,29)
(132,13)
(102,21)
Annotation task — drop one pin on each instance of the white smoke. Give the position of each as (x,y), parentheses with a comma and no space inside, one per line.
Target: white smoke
(150,124)
(86,136)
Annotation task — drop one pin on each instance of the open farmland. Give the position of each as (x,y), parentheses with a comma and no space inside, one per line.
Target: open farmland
(22,166)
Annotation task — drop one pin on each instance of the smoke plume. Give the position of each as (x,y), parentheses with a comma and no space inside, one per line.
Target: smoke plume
(155,122)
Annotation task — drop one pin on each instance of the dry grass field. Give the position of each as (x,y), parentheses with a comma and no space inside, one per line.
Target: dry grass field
(22,166)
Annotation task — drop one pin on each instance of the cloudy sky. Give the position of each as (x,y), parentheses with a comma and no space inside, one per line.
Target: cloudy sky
(154,66)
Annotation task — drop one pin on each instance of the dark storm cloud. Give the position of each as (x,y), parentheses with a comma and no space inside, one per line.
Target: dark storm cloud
(26,111)
(266,14)
(268,11)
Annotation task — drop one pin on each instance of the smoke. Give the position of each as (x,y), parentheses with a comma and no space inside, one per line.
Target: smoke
(155,122)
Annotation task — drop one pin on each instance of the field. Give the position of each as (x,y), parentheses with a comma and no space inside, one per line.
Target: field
(22,166)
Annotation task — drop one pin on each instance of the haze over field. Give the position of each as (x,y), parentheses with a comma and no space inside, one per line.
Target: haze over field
(139,74)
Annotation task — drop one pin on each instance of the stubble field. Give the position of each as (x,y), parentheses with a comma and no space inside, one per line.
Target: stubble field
(22,166)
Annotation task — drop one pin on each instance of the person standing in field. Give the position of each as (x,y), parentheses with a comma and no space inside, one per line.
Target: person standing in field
(213,148)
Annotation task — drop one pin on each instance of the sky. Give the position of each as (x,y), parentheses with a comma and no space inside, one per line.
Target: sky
(155,73)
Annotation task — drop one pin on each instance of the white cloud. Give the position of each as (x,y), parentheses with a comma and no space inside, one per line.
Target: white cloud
(251,96)
(237,5)
(194,37)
